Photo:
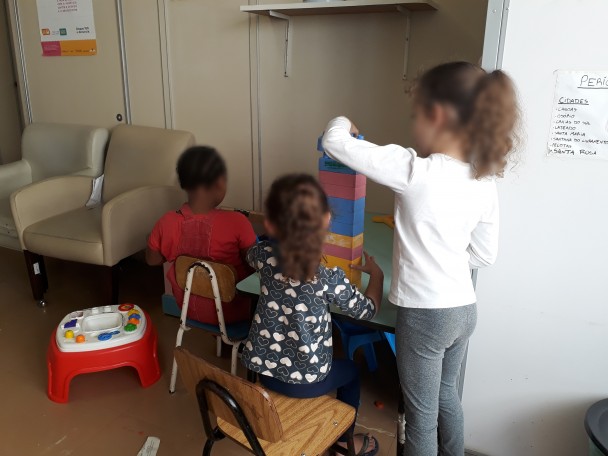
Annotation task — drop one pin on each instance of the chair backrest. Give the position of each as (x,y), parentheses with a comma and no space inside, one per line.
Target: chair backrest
(256,404)
(58,149)
(142,156)
(201,282)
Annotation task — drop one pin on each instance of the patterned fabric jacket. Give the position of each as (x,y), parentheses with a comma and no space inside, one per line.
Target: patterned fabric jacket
(290,337)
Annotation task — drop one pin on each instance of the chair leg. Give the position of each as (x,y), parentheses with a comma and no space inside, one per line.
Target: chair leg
(178,343)
(370,357)
(216,436)
(235,357)
(208,447)
(37,273)
(350,443)
(111,275)
(218,350)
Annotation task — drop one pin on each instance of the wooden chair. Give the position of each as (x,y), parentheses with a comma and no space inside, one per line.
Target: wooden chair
(263,422)
(210,280)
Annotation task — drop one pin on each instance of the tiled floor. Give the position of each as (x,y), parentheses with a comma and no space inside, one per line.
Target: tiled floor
(108,413)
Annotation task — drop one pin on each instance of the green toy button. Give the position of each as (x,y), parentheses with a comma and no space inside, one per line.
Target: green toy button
(130,327)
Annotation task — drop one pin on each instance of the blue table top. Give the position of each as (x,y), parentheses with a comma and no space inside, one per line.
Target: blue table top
(378,242)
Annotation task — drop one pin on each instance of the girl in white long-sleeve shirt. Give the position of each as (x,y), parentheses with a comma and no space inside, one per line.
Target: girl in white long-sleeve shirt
(446,222)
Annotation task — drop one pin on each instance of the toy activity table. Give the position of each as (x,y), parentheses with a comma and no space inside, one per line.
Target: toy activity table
(98,339)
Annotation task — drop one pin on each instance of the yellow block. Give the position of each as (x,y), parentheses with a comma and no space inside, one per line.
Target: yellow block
(351,274)
(350,242)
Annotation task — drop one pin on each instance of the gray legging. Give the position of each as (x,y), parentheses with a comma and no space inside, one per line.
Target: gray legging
(431,344)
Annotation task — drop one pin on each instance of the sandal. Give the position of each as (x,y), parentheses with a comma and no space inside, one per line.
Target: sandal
(366,444)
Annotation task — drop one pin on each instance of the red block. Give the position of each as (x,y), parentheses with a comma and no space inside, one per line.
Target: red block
(339,191)
(344,180)
(343,252)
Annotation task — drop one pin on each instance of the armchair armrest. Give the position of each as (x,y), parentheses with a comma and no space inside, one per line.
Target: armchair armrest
(14,176)
(127,219)
(48,198)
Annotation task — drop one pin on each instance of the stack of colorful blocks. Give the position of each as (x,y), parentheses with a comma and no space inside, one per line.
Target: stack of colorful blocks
(346,193)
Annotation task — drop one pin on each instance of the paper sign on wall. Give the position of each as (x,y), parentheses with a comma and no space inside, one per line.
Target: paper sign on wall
(579,123)
(67,27)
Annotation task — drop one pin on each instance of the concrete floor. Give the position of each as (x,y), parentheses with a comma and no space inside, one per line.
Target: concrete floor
(109,413)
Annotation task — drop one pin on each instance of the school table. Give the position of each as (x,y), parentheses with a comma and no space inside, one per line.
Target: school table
(378,242)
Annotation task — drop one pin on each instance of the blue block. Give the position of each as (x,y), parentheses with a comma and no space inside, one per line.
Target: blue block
(346,206)
(333,166)
(353,228)
(354,218)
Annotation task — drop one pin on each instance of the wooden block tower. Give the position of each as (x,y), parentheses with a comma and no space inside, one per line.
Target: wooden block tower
(346,193)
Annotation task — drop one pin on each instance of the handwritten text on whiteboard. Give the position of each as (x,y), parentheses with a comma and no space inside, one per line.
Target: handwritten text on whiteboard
(579,122)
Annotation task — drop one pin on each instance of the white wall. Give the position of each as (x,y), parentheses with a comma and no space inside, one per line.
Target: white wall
(539,356)
(353,65)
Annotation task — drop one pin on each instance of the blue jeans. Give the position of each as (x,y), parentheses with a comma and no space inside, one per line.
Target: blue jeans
(343,378)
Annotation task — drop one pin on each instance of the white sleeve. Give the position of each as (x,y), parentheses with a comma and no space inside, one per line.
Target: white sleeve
(390,165)
(483,248)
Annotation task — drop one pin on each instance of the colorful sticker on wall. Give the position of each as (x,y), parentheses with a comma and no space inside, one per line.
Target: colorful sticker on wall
(67,27)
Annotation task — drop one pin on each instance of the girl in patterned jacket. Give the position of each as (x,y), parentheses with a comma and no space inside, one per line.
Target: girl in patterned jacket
(290,341)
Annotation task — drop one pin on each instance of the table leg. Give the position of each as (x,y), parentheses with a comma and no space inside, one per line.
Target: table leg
(400,424)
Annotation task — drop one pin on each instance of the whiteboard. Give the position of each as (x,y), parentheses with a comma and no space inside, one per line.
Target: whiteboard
(537,359)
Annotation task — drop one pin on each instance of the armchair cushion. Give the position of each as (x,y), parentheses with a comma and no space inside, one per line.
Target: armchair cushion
(74,236)
(59,149)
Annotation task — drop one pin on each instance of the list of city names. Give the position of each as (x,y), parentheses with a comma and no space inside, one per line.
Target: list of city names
(579,123)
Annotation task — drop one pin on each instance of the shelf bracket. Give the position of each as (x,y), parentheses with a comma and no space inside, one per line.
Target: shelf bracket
(406,48)
(288,40)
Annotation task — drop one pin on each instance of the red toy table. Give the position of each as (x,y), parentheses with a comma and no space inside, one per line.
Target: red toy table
(63,366)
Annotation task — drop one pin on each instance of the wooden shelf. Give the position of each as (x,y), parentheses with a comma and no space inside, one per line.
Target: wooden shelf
(341,7)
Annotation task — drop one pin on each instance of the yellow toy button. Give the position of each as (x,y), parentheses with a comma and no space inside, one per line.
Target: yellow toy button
(69,334)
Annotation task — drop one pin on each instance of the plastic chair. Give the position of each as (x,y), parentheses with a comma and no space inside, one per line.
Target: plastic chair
(355,336)
(215,281)
(264,422)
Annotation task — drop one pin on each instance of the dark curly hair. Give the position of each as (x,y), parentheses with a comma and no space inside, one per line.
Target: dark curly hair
(200,166)
(486,108)
(297,205)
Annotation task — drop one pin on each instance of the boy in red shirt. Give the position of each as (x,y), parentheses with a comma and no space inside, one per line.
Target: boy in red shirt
(200,230)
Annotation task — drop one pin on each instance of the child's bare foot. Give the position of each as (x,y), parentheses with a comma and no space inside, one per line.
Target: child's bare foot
(365,445)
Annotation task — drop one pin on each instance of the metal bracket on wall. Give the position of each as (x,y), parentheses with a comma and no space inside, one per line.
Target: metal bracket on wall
(406,47)
(123,60)
(288,40)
